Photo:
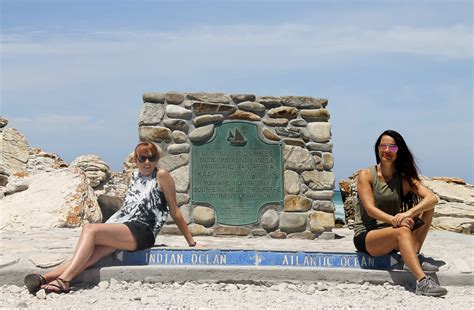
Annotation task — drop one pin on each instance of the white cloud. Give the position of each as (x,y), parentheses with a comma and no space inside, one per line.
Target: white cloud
(445,42)
(60,59)
(55,124)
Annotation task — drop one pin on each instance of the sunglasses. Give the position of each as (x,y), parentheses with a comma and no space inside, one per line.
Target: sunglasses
(151,158)
(392,148)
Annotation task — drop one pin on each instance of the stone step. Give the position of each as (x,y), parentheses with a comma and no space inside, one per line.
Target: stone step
(296,259)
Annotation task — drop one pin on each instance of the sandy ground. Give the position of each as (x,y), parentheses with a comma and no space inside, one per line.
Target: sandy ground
(193,295)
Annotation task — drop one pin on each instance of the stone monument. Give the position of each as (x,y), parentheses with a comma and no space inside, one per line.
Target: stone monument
(245,165)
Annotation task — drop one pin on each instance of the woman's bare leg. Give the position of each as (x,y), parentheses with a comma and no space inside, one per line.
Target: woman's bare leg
(383,241)
(420,233)
(116,236)
(99,252)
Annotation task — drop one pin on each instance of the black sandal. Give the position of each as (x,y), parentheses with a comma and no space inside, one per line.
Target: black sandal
(60,284)
(33,282)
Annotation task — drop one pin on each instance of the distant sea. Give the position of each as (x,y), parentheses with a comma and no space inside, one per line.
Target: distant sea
(337,199)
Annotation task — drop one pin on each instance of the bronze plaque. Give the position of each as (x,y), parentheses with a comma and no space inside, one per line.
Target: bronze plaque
(237,172)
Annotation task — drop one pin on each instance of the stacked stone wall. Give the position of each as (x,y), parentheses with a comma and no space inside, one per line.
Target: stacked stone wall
(177,120)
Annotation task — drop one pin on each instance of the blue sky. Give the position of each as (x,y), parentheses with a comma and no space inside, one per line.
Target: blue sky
(73,72)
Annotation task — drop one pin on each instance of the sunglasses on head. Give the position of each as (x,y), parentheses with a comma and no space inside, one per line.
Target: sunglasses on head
(392,148)
(142,159)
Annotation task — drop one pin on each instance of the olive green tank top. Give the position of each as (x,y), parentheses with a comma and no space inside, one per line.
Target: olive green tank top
(387,197)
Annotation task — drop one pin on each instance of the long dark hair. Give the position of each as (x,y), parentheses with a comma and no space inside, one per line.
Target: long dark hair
(405,165)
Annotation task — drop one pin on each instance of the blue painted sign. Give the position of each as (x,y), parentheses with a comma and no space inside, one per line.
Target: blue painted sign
(257,258)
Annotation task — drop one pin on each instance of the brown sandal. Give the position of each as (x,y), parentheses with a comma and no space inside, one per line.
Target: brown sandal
(33,282)
(60,284)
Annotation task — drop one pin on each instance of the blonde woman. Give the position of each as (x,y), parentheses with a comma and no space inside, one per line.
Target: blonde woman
(151,196)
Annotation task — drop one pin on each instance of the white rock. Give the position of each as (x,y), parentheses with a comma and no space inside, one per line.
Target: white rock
(14,151)
(181,179)
(103,285)
(41,294)
(201,134)
(451,192)
(10,301)
(151,114)
(47,260)
(270,220)
(319,180)
(178,112)
(137,284)
(8,259)
(456,224)
(173,162)
(319,131)
(61,198)
(282,287)
(14,289)
(454,209)
(40,161)
(292,182)
(297,158)
(17,182)
(204,215)
(96,170)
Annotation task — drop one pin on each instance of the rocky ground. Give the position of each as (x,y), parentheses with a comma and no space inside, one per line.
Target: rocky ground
(193,295)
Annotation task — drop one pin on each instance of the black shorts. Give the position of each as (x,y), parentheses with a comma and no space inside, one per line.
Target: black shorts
(359,242)
(143,235)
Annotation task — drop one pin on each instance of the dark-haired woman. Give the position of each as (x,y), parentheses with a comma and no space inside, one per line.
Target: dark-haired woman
(151,196)
(391,207)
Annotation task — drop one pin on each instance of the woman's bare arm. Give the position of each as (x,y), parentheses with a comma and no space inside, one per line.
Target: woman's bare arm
(168,188)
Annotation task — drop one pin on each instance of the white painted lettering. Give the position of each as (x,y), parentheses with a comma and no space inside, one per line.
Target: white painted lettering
(327,261)
(306,261)
(371,261)
(173,259)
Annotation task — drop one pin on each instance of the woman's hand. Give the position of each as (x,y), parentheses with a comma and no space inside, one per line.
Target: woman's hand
(398,218)
(407,222)
(197,245)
